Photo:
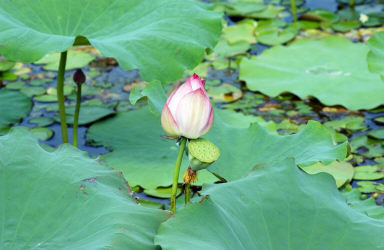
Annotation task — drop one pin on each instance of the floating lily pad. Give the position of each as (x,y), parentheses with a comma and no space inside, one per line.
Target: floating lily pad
(379,119)
(378,133)
(225,49)
(201,69)
(370,186)
(243,8)
(39,82)
(271,34)
(31,91)
(348,122)
(325,74)
(240,32)
(66,195)
(271,12)
(151,204)
(154,36)
(88,114)
(375,56)
(321,15)
(161,192)
(368,172)
(42,133)
(366,146)
(154,92)
(367,206)
(51,95)
(342,172)
(240,120)
(42,121)
(276,207)
(13,107)
(15,85)
(223,63)
(224,93)
(8,76)
(346,25)
(75,59)
(45,98)
(6,65)
(68,89)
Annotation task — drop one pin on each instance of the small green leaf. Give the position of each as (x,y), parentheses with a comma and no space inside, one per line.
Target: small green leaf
(42,121)
(368,172)
(42,133)
(13,107)
(342,172)
(162,192)
(75,59)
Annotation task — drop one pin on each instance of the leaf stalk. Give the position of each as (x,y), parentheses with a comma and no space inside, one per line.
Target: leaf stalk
(293,10)
(176,174)
(60,96)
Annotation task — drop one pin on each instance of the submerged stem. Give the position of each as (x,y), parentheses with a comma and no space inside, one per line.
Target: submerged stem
(293,9)
(77,111)
(187,193)
(176,174)
(60,95)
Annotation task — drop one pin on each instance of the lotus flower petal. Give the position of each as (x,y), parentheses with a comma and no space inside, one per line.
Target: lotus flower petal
(168,122)
(193,113)
(188,111)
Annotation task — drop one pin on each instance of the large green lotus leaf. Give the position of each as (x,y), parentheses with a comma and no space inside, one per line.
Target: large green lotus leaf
(332,69)
(243,147)
(65,200)
(147,159)
(275,207)
(13,107)
(375,56)
(161,38)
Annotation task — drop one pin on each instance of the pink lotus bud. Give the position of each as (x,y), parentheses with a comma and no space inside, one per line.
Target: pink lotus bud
(188,111)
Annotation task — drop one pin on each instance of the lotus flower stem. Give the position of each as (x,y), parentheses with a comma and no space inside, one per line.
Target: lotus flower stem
(187,193)
(352,3)
(293,9)
(176,174)
(77,112)
(60,95)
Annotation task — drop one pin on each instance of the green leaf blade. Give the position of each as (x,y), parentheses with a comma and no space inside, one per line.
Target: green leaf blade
(65,200)
(276,207)
(157,37)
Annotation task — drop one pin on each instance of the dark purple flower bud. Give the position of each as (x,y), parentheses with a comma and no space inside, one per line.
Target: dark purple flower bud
(79,77)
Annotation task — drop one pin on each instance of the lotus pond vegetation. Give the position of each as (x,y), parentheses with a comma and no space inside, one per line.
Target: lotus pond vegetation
(194,124)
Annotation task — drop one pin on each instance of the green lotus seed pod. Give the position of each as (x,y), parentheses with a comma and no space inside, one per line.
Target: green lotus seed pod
(202,153)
